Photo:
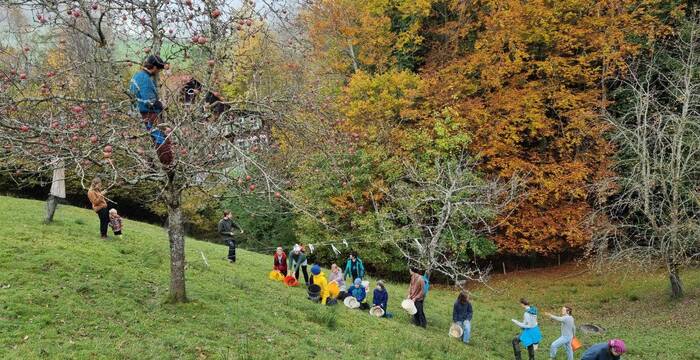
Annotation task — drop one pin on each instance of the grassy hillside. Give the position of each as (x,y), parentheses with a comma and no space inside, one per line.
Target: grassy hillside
(66,294)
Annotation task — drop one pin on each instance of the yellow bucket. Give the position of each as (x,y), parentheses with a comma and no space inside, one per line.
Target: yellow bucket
(276,275)
(333,289)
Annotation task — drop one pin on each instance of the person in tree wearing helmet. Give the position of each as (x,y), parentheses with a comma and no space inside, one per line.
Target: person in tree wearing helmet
(611,350)
(145,90)
(354,267)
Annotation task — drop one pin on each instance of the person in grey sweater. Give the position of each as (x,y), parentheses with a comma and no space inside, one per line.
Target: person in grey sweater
(568,330)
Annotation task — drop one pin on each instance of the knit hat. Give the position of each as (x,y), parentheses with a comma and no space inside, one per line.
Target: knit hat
(358,282)
(315,269)
(296,248)
(618,346)
(156,61)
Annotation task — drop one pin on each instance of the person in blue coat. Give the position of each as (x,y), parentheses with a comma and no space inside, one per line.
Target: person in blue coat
(359,293)
(380,298)
(611,350)
(145,91)
(462,315)
(530,334)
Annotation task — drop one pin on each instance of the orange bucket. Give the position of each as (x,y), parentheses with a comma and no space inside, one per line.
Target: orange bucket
(575,344)
(290,281)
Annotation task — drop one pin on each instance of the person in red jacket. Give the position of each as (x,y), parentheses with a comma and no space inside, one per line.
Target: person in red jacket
(279,261)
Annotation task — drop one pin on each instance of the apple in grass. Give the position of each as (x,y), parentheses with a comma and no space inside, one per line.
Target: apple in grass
(277,194)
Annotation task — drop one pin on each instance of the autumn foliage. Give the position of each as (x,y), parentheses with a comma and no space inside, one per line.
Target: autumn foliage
(521,85)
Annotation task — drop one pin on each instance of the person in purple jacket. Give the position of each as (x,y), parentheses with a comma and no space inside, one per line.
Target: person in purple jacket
(611,350)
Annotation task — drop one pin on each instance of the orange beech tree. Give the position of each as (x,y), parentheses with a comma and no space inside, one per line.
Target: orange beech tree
(528,81)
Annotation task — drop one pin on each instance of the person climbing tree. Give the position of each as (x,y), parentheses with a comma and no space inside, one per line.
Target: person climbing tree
(97,198)
(145,90)
(225,229)
(354,267)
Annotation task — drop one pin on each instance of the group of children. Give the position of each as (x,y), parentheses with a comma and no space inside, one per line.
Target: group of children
(321,290)
(110,217)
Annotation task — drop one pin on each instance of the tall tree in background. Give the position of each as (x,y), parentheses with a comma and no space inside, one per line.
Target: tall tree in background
(654,210)
(527,80)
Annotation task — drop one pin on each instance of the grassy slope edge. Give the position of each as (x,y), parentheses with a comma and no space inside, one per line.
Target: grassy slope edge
(71,295)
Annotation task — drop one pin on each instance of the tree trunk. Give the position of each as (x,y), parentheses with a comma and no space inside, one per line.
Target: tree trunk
(51,204)
(676,284)
(176,235)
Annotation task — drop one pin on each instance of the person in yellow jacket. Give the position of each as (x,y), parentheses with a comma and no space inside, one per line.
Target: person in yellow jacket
(319,279)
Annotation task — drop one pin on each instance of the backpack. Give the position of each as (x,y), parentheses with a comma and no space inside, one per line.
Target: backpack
(426,286)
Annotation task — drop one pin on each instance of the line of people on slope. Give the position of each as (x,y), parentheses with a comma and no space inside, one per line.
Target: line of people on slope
(462,312)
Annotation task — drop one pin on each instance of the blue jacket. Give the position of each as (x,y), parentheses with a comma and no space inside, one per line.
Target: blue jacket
(599,352)
(461,312)
(143,88)
(380,298)
(357,266)
(358,293)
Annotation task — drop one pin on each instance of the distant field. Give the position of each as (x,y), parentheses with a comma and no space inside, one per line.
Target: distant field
(64,294)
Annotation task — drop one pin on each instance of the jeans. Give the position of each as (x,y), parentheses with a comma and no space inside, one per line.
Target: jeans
(231,250)
(103,214)
(419,318)
(562,341)
(467,331)
(516,349)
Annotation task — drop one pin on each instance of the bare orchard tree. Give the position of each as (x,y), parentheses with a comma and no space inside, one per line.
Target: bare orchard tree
(653,217)
(446,212)
(58,104)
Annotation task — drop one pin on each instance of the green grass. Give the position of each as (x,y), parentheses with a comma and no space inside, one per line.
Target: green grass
(73,296)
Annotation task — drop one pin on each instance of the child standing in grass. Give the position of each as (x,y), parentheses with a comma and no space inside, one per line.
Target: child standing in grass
(568,330)
(462,315)
(530,336)
(115,221)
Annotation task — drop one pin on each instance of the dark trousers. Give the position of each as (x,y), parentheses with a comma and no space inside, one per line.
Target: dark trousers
(419,318)
(103,214)
(516,349)
(306,274)
(118,232)
(231,250)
